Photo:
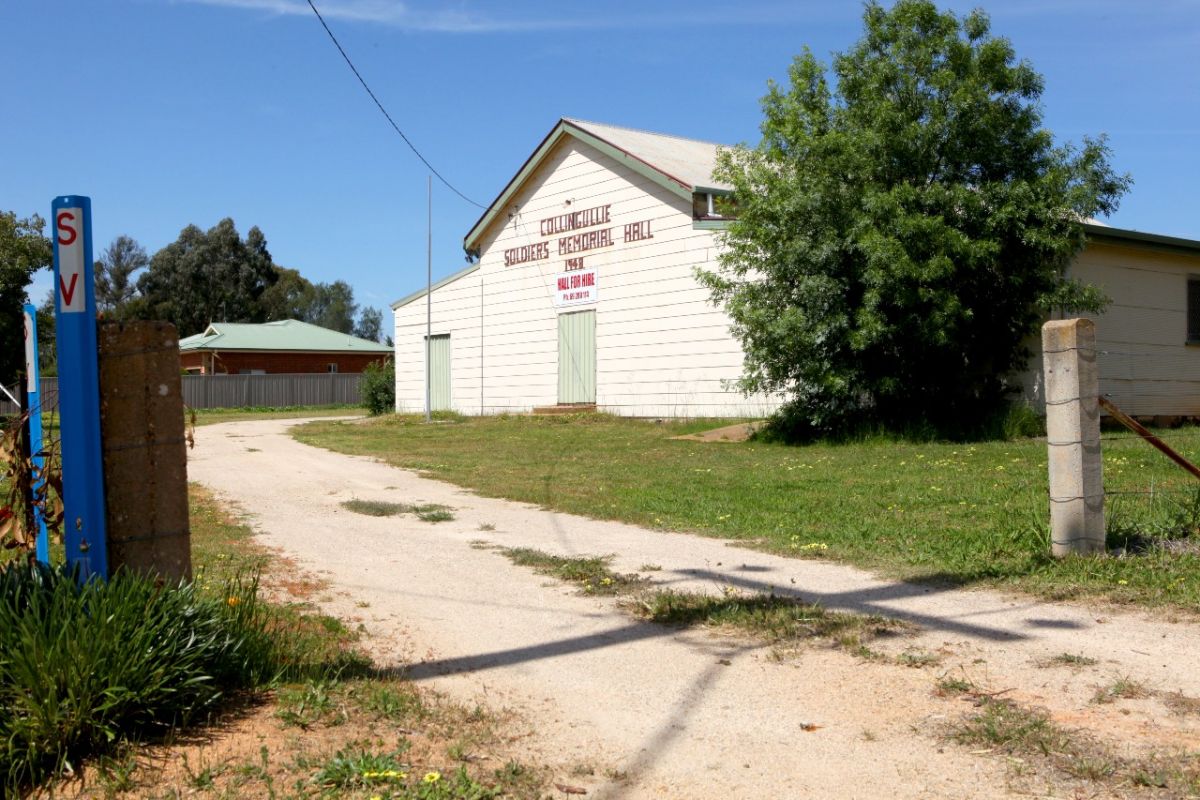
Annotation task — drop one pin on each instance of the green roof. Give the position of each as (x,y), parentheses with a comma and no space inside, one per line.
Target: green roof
(287,334)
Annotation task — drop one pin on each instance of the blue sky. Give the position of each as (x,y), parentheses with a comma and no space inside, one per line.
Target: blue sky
(171,112)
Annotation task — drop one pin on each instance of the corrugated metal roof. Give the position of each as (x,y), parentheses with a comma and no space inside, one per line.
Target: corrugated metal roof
(287,334)
(688,161)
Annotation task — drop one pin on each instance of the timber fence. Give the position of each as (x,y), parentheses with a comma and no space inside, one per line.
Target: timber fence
(241,391)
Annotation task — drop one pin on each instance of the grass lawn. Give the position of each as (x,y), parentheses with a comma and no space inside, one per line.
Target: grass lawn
(946,512)
(211,416)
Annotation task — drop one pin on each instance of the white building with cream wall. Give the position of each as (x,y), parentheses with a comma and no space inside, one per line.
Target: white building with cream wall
(584,293)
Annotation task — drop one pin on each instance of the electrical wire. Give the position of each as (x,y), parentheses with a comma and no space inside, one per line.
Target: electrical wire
(395,127)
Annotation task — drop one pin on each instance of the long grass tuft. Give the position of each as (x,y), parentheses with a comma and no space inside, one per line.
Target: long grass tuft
(85,667)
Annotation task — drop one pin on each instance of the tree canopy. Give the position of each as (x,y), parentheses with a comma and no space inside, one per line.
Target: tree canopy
(113,272)
(204,276)
(23,251)
(903,225)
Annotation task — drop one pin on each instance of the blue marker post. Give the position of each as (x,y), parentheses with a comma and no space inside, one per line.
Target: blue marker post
(79,388)
(37,444)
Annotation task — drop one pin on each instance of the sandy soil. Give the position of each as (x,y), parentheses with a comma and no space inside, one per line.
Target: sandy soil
(664,713)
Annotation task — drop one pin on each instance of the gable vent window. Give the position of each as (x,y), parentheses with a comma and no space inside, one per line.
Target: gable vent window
(712,206)
(1193,311)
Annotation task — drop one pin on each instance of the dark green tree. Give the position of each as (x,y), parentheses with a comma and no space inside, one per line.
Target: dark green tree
(370,324)
(23,251)
(115,287)
(290,297)
(333,306)
(208,276)
(901,230)
(47,324)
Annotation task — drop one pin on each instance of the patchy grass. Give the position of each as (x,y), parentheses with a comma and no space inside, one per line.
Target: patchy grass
(771,618)
(213,416)
(1010,728)
(427,512)
(947,513)
(774,619)
(1124,688)
(1181,704)
(376,508)
(948,686)
(590,573)
(918,659)
(1069,660)
(1013,728)
(433,513)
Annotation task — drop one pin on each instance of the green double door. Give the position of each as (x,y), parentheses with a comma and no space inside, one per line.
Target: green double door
(439,373)
(577,357)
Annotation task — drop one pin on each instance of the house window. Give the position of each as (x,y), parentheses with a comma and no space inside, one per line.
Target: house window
(1193,310)
(331,368)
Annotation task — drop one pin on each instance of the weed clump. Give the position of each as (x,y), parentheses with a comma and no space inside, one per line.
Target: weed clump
(85,668)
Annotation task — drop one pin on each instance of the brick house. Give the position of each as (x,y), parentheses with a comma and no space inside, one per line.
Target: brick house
(286,346)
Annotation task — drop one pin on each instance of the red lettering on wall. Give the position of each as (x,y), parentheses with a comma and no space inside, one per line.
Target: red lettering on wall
(70,233)
(68,291)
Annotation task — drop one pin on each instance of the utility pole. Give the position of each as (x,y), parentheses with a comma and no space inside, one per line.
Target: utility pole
(428,296)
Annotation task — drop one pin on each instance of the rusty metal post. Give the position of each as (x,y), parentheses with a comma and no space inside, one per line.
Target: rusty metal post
(143,444)
(1073,437)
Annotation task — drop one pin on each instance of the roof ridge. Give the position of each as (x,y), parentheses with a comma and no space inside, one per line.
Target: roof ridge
(575,121)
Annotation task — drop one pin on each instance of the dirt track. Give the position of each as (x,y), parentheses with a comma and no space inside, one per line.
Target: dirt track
(657,712)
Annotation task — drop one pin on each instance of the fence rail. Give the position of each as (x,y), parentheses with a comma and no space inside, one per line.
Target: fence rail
(240,391)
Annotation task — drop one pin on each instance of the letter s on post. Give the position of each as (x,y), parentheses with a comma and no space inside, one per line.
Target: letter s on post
(66,234)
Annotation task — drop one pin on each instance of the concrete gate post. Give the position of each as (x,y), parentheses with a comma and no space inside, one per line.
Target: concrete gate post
(1073,437)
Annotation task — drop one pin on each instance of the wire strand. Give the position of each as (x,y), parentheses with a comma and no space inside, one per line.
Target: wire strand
(395,127)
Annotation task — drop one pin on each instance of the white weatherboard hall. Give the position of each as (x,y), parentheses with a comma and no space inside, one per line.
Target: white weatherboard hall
(584,291)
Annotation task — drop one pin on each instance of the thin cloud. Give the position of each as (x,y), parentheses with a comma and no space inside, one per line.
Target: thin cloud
(397,15)
(401,15)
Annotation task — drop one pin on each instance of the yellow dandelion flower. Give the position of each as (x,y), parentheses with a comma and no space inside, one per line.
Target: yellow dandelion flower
(233,601)
(432,777)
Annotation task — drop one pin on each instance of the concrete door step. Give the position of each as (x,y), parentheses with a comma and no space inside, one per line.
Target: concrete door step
(564,408)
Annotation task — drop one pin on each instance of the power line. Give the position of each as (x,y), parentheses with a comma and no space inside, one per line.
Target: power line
(396,127)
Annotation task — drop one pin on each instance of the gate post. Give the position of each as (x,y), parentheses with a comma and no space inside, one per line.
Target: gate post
(84,522)
(1073,437)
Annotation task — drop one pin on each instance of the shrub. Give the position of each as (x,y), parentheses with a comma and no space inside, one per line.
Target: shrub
(82,668)
(378,388)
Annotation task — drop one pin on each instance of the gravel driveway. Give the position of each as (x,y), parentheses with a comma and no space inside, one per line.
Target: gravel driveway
(662,713)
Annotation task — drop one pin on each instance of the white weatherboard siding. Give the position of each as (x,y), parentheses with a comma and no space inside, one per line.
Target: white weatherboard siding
(661,349)
(456,312)
(1145,366)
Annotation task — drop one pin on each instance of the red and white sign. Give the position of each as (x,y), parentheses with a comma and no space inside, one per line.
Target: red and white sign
(576,287)
(30,372)
(68,230)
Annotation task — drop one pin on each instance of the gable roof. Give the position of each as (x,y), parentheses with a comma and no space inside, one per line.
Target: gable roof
(287,334)
(682,166)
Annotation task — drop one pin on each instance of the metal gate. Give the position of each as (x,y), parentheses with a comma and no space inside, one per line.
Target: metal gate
(577,357)
(439,372)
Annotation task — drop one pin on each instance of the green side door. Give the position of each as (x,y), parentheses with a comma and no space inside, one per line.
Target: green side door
(577,357)
(439,372)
